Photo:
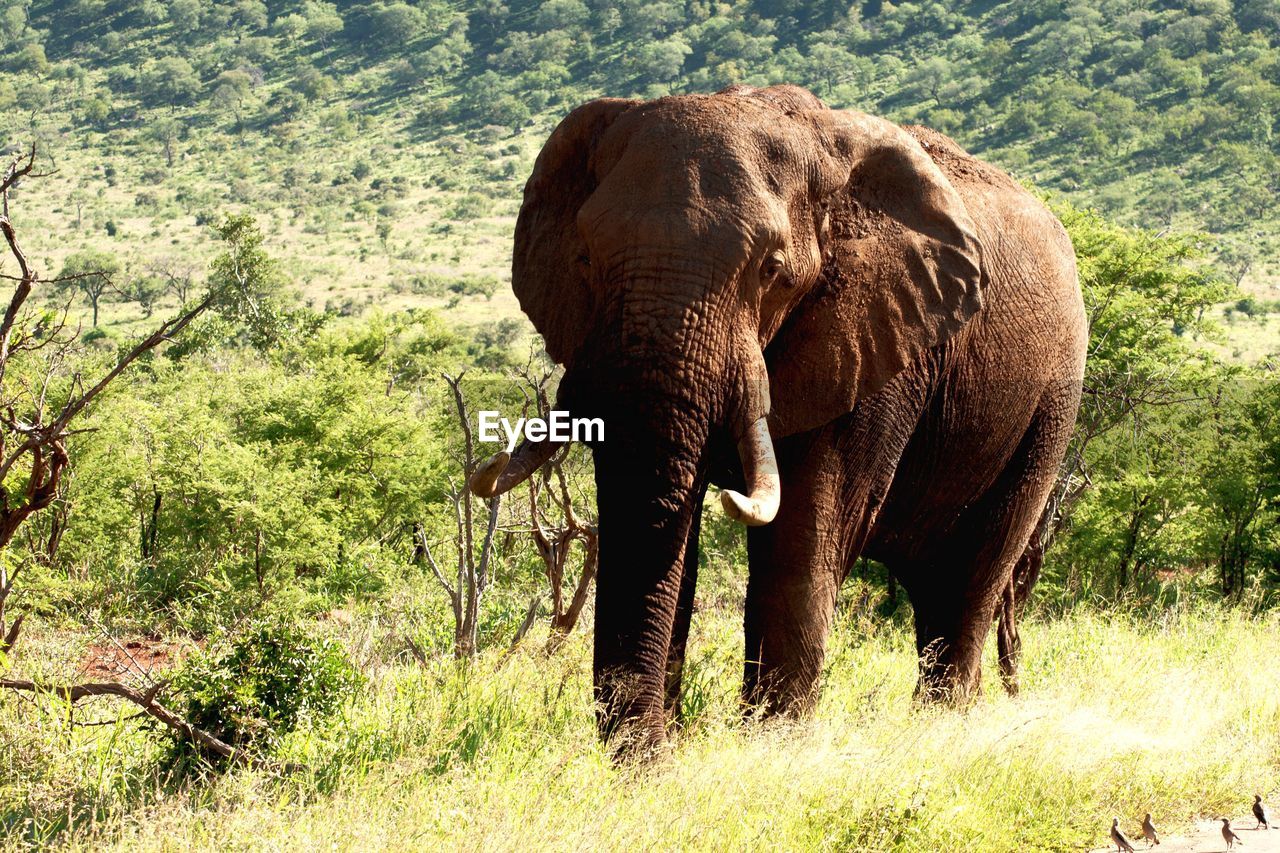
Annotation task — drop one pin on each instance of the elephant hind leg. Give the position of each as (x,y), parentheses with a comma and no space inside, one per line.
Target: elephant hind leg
(1025,574)
(950,662)
(970,576)
(1009,643)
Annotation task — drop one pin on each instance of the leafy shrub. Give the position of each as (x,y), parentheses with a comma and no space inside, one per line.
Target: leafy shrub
(265,684)
(470,206)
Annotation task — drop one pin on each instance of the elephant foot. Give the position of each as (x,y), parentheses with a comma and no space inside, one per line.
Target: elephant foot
(945,681)
(631,722)
(946,691)
(778,692)
(634,744)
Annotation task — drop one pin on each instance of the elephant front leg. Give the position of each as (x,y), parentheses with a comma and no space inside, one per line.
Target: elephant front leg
(683,618)
(636,603)
(797,563)
(788,616)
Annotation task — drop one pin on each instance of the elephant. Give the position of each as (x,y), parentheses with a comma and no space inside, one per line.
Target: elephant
(871,341)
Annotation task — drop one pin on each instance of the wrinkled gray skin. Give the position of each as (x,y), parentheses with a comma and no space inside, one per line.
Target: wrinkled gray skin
(906,317)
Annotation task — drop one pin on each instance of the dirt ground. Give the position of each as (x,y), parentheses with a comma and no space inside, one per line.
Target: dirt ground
(139,657)
(1205,838)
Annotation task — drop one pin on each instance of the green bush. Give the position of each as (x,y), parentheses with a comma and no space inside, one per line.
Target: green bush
(266,683)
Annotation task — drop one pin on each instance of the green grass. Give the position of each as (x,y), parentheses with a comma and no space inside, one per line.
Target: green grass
(1174,714)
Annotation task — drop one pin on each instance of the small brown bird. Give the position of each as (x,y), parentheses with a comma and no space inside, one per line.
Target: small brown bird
(1227,835)
(1260,812)
(1149,830)
(1119,838)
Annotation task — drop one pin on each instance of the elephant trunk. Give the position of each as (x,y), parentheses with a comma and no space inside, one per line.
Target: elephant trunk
(650,479)
(670,383)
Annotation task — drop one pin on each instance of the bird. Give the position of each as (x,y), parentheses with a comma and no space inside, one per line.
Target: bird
(1149,830)
(1260,812)
(1118,836)
(1227,835)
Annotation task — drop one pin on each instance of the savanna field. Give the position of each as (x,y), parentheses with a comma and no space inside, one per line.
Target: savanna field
(258,535)
(1120,713)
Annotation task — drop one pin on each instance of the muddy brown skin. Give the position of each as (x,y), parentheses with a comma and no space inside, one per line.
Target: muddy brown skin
(906,317)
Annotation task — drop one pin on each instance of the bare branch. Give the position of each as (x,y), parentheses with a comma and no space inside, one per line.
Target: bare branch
(73,693)
(435,567)
(160,335)
(11,636)
(530,617)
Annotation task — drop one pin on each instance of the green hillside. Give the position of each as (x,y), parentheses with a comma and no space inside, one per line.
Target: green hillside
(382,145)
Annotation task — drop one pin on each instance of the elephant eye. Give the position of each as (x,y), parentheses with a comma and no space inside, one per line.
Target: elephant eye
(584,263)
(773,265)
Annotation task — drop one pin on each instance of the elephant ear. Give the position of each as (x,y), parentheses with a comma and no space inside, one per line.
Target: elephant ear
(547,271)
(902,272)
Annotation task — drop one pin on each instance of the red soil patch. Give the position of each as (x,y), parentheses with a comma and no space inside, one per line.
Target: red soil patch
(108,661)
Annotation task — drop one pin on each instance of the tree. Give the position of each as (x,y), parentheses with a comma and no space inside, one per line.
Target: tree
(396,23)
(660,61)
(146,291)
(97,112)
(473,560)
(1145,297)
(231,90)
(251,290)
(90,273)
(557,519)
(932,75)
(561,15)
(166,130)
(323,20)
(313,85)
(36,457)
(185,15)
(290,27)
(31,58)
(178,273)
(1239,480)
(251,14)
(173,80)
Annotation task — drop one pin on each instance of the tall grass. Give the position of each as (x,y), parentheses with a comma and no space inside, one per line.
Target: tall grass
(1176,714)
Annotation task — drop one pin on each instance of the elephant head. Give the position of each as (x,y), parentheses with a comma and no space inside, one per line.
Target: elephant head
(712,269)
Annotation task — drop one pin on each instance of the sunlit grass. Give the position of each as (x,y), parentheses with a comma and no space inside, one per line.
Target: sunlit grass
(1177,715)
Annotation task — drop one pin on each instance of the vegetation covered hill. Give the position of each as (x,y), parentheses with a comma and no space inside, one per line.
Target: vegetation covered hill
(384,143)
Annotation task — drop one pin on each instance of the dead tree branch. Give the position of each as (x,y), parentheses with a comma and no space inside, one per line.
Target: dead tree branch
(555,524)
(146,700)
(473,568)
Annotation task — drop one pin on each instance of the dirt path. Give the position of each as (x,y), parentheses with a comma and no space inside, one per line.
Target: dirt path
(1205,838)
